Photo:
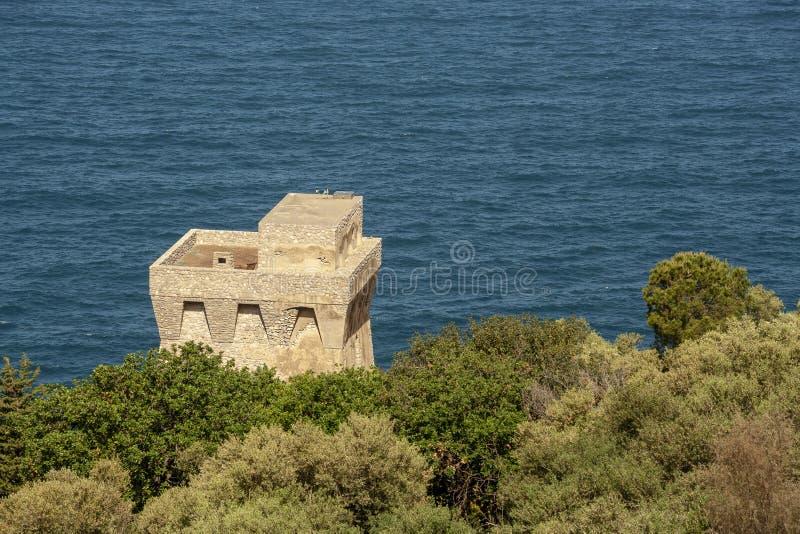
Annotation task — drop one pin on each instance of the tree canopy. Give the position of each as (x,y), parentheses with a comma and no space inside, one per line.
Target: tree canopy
(694,292)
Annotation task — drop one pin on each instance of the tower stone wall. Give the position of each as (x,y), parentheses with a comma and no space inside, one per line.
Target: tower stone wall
(294,296)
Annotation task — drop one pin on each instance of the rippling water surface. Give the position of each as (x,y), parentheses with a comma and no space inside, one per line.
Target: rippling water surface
(515,157)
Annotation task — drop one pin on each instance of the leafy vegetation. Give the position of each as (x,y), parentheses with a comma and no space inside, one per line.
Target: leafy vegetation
(694,292)
(271,476)
(753,488)
(159,413)
(17,392)
(459,396)
(514,424)
(65,502)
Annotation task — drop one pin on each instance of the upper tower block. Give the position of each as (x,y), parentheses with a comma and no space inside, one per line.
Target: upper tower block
(310,232)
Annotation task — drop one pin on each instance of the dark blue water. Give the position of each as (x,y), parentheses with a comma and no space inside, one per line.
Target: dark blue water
(515,157)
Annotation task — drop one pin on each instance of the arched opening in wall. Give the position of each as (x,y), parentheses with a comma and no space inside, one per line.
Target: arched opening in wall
(249,324)
(194,324)
(306,328)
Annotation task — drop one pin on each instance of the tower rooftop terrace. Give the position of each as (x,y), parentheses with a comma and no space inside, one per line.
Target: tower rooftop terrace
(312,209)
(203,256)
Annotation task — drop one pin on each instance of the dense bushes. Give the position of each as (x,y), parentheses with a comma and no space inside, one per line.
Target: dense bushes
(657,453)
(456,396)
(459,395)
(306,478)
(512,424)
(753,488)
(157,412)
(65,502)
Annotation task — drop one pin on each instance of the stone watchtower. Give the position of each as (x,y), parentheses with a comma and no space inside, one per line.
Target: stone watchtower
(294,296)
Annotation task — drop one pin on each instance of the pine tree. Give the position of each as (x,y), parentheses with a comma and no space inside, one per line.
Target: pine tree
(16,393)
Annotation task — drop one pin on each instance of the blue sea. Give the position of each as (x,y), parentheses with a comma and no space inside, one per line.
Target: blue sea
(514,156)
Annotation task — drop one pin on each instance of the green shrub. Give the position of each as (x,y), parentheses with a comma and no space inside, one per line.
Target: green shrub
(359,472)
(65,502)
(461,407)
(563,473)
(628,408)
(544,350)
(178,509)
(762,304)
(678,509)
(420,519)
(327,399)
(289,509)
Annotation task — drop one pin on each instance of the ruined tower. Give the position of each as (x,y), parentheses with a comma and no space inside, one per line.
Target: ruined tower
(294,296)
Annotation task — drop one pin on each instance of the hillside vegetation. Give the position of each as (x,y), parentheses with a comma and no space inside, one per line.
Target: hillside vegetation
(514,424)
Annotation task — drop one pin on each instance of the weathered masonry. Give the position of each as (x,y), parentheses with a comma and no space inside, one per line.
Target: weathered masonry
(294,296)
